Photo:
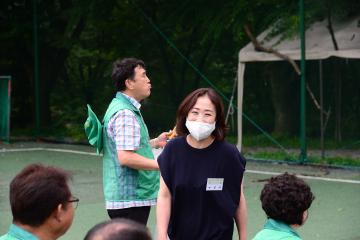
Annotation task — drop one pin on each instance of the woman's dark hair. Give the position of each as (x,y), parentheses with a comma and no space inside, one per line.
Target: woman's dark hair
(189,102)
(124,69)
(285,198)
(36,192)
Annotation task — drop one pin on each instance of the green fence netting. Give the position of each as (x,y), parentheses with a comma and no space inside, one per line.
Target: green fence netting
(5,94)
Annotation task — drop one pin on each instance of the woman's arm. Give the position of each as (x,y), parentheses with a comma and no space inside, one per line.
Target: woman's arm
(241,216)
(163,210)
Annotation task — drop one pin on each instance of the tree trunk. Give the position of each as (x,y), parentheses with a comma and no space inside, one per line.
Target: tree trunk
(337,73)
(282,98)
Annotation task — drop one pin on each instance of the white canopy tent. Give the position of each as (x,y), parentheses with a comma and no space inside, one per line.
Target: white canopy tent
(319,45)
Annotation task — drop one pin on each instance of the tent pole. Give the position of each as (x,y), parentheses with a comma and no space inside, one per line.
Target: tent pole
(303,154)
(240,83)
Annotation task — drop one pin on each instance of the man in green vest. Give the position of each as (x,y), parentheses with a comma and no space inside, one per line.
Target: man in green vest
(130,173)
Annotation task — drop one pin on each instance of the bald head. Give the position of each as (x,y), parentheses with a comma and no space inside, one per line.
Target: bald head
(118,229)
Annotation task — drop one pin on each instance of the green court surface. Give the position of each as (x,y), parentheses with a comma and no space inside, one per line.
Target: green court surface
(335,213)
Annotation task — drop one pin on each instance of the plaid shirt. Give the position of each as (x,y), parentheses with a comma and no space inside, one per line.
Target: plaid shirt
(124,129)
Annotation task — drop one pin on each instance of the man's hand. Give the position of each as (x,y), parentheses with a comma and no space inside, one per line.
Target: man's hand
(161,140)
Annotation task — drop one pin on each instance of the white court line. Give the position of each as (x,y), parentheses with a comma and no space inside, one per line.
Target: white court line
(247,171)
(21,149)
(70,151)
(307,177)
(47,149)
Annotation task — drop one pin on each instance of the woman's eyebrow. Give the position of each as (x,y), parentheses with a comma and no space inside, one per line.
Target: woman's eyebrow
(209,110)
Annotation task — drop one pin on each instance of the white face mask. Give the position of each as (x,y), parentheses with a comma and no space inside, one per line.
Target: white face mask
(200,130)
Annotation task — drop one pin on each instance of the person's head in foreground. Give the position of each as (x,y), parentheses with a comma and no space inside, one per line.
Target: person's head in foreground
(285,200)
(118,229)
(201,114)
(41,202)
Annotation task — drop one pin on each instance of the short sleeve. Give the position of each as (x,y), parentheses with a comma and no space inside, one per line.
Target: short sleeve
(124,128)
(242,159)
(164,161)
(239,157)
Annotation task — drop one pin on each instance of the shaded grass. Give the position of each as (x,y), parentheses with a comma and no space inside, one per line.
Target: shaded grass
(313,159)
(260,147)
(294,142)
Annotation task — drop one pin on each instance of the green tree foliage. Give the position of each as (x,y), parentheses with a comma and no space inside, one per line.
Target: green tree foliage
(79,40)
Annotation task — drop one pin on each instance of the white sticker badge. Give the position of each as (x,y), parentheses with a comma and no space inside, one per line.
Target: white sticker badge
(214,184)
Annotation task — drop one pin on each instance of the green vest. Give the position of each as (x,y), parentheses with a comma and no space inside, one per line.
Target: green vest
(275,230)
(123,183)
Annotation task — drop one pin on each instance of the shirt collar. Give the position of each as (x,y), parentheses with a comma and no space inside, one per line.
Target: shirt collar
(280,226)
(131,99)
(20,233)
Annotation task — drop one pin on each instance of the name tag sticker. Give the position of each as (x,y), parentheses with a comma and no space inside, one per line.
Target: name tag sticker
(214,184)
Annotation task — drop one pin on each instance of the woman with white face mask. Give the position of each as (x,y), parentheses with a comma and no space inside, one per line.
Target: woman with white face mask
(201,191)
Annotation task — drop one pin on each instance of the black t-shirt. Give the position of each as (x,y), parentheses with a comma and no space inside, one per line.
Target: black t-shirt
(195,212)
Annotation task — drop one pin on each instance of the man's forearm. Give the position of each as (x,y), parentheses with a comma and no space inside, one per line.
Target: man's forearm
(133,160)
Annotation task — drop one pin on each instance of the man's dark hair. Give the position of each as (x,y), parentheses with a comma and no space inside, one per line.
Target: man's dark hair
(189,102)
(285,198)
(118,229)
(36,192)
(124,69)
